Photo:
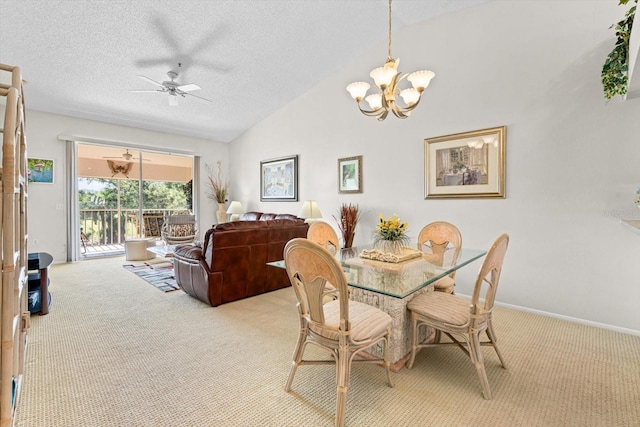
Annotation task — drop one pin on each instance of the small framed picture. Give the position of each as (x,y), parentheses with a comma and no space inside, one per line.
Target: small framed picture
(40,171)
(466,165)
(350,175)
(279,180)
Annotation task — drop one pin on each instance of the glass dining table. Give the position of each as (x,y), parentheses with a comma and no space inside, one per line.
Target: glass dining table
(390,286)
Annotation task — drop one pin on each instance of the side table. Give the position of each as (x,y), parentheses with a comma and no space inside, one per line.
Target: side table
(38,266)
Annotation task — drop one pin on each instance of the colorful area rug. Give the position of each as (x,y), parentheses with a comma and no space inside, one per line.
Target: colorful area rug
(159,275)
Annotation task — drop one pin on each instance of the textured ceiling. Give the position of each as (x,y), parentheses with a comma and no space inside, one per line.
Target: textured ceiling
(250,57)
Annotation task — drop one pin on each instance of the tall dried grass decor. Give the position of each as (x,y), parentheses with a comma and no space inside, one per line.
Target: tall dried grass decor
(349,217)
(218,190)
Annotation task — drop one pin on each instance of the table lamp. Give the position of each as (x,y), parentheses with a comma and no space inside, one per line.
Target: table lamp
(310,211)
(235,210)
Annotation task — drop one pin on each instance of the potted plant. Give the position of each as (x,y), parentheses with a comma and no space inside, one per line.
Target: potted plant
(390,235)
(218,190)
(615,71)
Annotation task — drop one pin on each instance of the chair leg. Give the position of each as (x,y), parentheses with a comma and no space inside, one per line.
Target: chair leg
(414,341)
(475,351)
(494,342)
(437,336)
(343,366)
(387,364)
(297,358)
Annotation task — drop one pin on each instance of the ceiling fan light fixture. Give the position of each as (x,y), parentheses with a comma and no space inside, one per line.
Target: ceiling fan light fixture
(172,88)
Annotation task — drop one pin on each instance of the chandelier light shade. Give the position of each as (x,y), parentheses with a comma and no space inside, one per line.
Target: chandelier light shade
(386,79)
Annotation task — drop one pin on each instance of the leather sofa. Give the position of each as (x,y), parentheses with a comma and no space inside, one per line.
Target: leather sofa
(232,262)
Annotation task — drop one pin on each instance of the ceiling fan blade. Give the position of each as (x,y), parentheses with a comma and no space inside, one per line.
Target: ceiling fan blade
(173,100)
(199,97)
(151,81)
(188,87)
(146,91)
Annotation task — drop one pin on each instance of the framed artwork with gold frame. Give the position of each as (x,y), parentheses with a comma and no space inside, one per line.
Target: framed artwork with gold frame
(466,165)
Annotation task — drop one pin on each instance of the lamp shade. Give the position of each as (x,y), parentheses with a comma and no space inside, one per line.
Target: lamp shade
(383,76)
(374,100)
(421,79)
(235,210)
(358,90)
(410,96)
(310,210)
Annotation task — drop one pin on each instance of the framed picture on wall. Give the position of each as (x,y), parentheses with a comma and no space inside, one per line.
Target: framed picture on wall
(40,171)
(350,175)
(470,164)
(279,179)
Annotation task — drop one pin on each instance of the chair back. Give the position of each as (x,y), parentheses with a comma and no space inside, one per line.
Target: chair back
(181,220)
(309,267)
(441,235)
(486,285)
(178,229)
(324,235)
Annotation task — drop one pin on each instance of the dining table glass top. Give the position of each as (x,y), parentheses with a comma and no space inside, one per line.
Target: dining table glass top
(397,279)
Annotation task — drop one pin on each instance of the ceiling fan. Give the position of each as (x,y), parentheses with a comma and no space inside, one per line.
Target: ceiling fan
(172,88)
(127,156)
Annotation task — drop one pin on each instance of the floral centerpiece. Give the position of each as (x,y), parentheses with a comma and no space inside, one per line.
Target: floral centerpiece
(218,190)
(349,217)
(390,235)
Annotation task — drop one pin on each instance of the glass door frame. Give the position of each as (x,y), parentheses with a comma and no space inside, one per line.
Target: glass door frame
(71,186)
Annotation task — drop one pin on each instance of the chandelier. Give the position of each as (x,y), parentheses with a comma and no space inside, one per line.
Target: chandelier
(386,79)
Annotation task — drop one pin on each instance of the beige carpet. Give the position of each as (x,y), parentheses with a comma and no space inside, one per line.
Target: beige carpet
(113,351)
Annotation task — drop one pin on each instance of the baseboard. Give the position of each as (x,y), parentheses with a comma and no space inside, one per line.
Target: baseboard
(567,318)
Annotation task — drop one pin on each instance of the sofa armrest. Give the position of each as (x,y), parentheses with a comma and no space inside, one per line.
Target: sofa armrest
(189,253)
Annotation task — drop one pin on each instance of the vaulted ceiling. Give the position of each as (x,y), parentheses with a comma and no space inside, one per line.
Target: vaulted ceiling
(250,57)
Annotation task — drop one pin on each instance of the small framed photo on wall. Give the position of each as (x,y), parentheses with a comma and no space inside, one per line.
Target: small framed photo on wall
(40,171)
(350,175)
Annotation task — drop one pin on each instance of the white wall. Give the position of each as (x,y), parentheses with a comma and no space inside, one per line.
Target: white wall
(571,158)
(48,226)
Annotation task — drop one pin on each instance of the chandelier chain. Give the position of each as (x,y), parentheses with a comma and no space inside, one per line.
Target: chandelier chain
(389,45)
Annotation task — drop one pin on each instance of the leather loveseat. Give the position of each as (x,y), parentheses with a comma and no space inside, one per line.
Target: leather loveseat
(232,262)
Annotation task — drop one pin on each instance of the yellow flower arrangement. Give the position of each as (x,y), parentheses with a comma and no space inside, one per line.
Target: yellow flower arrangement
(391,230)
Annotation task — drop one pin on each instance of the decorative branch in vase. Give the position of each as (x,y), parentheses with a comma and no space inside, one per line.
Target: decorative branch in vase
(349,217)
(218,191)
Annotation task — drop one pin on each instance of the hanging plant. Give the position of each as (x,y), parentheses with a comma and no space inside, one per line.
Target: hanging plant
(615,71)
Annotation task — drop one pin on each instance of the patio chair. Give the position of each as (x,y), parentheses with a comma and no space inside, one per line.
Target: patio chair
(342,327)
(179,229)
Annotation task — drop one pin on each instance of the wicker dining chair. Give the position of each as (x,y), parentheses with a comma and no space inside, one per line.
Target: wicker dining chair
(457,316)
(440,237)
(324,235)
(342,327)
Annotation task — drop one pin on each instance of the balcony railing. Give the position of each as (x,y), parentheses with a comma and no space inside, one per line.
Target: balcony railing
(103,227)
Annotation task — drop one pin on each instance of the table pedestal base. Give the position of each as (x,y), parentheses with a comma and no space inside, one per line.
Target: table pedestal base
(400,340)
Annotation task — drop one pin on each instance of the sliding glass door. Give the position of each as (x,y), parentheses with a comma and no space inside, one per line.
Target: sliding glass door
(125,193)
